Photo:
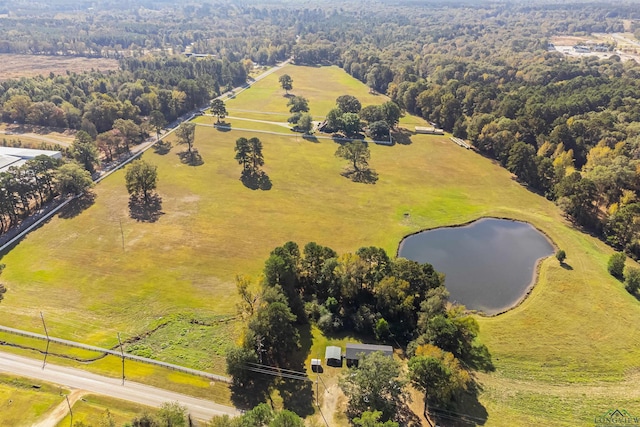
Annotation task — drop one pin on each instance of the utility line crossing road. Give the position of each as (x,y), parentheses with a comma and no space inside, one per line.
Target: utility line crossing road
(131,391)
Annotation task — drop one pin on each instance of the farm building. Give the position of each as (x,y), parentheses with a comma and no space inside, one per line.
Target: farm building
(333,356)
(429,130)
(11,156)
(356,351)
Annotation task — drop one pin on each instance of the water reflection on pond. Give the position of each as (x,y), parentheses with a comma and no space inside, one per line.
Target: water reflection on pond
(489,264)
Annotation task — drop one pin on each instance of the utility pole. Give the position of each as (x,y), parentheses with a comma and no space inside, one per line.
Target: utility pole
(44,362)
(70,411)
(122,353)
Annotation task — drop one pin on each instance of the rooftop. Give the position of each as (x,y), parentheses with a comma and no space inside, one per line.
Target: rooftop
(353,350)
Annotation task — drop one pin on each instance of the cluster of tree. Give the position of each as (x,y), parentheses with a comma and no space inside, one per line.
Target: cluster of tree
(350,118)
(384,299)
(25,189)
(301,119)
(249,155)
(375,387)
(630,275)
(95,101)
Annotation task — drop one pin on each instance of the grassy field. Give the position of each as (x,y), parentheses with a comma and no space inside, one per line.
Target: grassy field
(92,411)
(23,401)
(569,352)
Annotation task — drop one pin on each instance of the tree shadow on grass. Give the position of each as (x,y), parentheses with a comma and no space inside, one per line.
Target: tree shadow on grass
(162,147)
(310,138)
(223,126)
(479,359)
(256,180)
(465,411)
(366,176)
(78,205)
(566,266)
(248,396)
(297,395)
(145,211)
(403,136)
(192,158)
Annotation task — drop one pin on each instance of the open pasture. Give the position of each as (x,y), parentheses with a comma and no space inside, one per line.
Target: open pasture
(95,272)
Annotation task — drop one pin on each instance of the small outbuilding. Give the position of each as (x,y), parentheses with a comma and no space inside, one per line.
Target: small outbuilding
(333,356)
(356,351)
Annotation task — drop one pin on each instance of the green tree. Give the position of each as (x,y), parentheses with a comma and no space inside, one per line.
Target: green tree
(186,134)
(561,255)
(172,414)
(72,178)
(243,153)
(351,124)
(374,385)
(286,418)
(334,120)
(298,104)
(237,359)
(392,113)
(141,179)
(286,82)
(305,124)
(218,109)
(372,113)
(157,121)
(521,162)
(357,153)
(85,151)
(108,143)
(256,159)
(274,327)
(129,132)
(632,279)
(615,266)
(437,374)
(18,107)
(379,130)
(348,104)
(372,419)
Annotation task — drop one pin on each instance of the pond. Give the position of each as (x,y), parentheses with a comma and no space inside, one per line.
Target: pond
(489,264)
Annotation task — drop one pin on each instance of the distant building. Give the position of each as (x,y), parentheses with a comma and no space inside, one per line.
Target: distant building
(581,49)
(356,351)
(16,157)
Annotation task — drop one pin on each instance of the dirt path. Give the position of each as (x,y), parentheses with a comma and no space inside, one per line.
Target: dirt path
(59,412)
(36,136)
(283,124)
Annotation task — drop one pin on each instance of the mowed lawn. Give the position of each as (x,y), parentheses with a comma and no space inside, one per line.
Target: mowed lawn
(568,353)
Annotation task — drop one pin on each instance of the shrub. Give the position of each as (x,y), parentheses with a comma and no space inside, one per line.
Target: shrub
(632,279)
(561,255)
(616,264)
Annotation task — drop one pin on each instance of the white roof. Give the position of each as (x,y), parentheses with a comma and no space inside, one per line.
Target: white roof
(18,156)
(28,153)
(6,161)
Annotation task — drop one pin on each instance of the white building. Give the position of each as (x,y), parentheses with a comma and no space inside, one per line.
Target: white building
(12,156)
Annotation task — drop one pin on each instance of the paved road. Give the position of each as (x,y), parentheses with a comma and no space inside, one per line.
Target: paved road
(131,391)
